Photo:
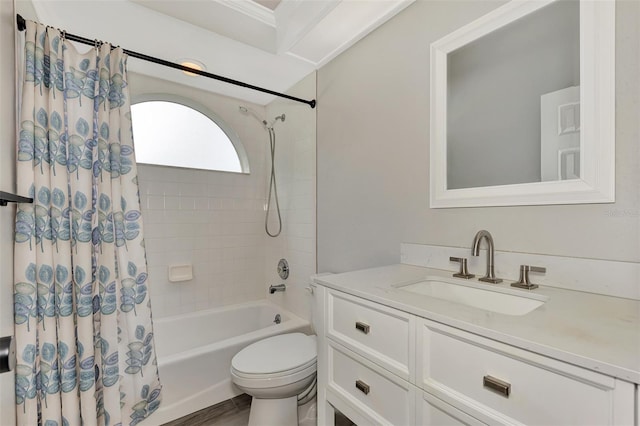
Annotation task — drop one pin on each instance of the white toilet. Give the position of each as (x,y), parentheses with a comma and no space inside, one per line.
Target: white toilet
(275,372)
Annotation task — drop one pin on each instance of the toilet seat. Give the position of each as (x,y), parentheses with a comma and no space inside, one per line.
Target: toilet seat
(246,375)
(284,353)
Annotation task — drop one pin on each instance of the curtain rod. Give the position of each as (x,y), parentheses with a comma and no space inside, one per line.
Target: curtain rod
(312,103)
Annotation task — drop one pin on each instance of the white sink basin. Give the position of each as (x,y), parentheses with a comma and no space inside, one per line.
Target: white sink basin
(489,297)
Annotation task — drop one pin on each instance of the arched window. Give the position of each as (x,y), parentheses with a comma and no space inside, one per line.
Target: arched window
(172,133)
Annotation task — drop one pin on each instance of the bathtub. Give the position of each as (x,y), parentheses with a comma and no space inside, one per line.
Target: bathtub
(194,353)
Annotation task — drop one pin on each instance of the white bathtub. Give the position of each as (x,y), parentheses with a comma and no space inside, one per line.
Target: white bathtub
(195,350)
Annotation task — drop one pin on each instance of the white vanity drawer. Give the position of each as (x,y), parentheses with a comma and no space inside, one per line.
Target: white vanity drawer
(460,368)
(381,334)
(434,411)
(380,396)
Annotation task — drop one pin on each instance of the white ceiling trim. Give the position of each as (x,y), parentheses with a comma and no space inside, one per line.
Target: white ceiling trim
(311,31)
(230,37)
(350,34)
(235,20)
(296,18)
(251,9)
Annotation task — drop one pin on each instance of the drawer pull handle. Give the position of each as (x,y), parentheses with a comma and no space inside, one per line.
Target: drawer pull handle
(497,385)
(362,387)
(363,327)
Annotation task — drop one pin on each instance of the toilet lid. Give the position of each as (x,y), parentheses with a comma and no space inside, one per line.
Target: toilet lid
(276,354)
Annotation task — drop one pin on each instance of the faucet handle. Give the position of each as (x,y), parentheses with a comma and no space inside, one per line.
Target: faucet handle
(464,272)
(523,281)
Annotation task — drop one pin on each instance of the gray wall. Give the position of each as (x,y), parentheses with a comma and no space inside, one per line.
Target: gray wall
(373,155)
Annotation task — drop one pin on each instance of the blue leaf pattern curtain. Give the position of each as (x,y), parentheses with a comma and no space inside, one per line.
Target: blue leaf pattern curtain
(84,337)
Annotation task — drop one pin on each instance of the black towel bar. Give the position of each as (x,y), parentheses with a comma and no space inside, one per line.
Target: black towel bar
(6,197)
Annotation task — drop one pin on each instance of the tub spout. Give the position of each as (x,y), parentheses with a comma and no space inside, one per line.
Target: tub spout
(274,288)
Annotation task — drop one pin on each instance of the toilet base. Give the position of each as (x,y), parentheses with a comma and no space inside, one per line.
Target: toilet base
(274,412)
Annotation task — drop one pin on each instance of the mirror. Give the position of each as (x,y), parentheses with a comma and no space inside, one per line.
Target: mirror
(522,107)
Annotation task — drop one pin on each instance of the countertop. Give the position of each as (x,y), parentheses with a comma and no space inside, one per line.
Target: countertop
(600,333)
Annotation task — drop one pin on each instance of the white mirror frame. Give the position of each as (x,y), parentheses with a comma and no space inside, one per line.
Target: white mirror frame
(597,98)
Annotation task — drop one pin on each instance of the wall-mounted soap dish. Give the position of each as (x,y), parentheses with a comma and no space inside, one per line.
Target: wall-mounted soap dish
(178,273)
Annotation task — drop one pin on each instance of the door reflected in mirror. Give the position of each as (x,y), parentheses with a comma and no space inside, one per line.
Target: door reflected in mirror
(560,135)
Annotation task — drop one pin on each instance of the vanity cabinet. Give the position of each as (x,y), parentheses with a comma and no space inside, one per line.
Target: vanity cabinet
(501,384)
(380,365)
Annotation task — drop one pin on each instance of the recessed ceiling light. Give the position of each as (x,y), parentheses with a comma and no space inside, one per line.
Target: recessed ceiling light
(193,64)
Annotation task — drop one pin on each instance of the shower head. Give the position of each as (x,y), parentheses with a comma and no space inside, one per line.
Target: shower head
(280,117)
(264,122)
(246,110)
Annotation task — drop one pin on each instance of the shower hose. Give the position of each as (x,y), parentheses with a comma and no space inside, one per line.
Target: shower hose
(273,187)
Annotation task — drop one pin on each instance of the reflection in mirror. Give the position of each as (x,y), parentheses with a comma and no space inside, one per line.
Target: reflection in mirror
(523,107)
(513,100)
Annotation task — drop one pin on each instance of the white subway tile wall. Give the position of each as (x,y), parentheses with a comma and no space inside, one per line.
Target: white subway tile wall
(212,220)
(215,220)
(296,177)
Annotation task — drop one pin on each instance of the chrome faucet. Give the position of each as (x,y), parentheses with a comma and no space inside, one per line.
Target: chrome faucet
(274,288)
(490,276)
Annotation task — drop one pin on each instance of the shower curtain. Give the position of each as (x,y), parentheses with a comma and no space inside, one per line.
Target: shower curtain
(84,338)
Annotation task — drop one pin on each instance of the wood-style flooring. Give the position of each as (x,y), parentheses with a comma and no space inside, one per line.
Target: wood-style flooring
(232,412)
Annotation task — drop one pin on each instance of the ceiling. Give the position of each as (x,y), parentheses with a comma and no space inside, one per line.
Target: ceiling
(271,4)
(267,43)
